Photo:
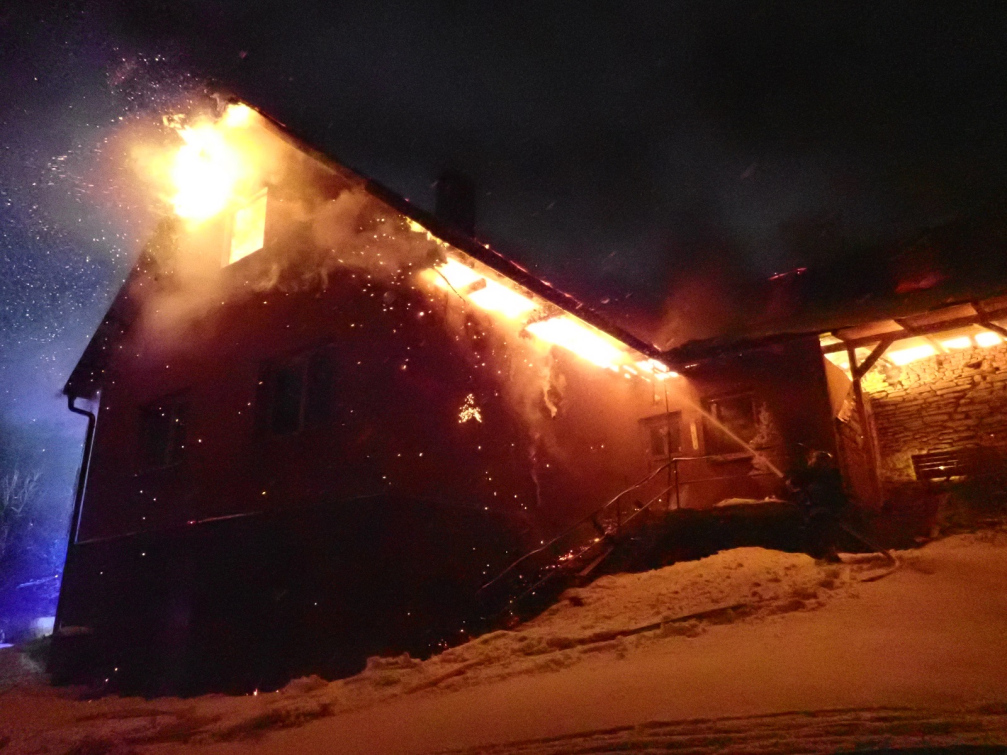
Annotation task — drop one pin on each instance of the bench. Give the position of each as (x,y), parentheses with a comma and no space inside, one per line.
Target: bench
(943,465)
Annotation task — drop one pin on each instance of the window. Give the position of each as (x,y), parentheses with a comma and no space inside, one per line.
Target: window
(162,433)
(295,393)
(735,414)
(663,434)
(248,230)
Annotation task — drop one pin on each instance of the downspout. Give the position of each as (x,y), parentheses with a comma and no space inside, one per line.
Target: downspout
(85,466)
(78,498)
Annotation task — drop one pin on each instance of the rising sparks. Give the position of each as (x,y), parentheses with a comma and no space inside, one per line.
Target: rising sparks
(469,410)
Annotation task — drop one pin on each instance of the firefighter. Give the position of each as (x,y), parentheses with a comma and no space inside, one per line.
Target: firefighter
(819,488)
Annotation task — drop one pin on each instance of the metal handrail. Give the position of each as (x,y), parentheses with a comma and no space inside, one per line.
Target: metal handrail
(585,520)
(595,516)
(604,534)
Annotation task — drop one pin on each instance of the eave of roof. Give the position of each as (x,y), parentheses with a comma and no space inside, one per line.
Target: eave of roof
(480,251)
(84,378)
(943,316)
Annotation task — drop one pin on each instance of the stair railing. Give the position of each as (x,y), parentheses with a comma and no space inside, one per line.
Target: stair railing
(596,519)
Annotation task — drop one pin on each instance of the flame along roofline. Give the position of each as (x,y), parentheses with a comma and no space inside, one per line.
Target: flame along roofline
(479,251)
(84,379)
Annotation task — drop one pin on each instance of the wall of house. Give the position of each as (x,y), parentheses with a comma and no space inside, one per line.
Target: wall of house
(787,382)
(555,437)
(401,383)
(433,397)
(451,439)
(945,402)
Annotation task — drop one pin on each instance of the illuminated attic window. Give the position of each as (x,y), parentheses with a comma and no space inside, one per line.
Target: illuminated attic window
(248,232)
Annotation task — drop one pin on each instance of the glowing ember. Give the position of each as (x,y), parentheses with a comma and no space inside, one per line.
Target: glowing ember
(658,369)
(485,294)
(469,410)
(204,173)
(456,275)
(563,330)
(580,339)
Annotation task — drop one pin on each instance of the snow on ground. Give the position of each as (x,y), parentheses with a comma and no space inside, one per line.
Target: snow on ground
(820,731)
(747,632)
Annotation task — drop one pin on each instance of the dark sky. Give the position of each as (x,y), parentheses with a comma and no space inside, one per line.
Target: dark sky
(621,148)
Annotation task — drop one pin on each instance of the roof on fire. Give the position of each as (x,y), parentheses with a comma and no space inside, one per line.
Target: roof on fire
(85,378)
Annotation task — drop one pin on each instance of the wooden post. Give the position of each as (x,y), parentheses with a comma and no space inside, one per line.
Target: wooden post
(858,371)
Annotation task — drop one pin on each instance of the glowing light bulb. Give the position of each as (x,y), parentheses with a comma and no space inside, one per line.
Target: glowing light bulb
(912,354)
(962,342)
(988,338)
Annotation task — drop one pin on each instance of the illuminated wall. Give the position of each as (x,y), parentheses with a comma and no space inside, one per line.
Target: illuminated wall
(448,381)
(943,402)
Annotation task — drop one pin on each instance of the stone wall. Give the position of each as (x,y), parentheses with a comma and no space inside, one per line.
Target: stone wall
(940,403)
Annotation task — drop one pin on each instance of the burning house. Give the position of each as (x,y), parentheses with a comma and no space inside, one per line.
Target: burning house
(319,419)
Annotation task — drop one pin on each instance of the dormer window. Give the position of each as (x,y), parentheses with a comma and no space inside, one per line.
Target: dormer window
(248,231)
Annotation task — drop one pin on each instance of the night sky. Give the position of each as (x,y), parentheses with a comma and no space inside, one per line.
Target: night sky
(624,150)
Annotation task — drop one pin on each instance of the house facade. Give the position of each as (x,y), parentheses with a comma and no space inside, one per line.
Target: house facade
(319,418)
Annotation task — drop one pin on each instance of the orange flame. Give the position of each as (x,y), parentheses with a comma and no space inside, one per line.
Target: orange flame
(579,338)
(207,168)
(658,369)
(484,293)
(496,298)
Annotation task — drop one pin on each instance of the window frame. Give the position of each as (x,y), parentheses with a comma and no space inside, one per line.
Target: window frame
(261,195)
(315,370)
(174,445)
(715,442)
(663,421)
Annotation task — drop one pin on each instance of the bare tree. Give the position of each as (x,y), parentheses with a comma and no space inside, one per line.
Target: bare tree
(17,490)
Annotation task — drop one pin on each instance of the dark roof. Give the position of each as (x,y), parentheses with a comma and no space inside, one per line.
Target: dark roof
(912,317)
(85,377)
(958,262)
